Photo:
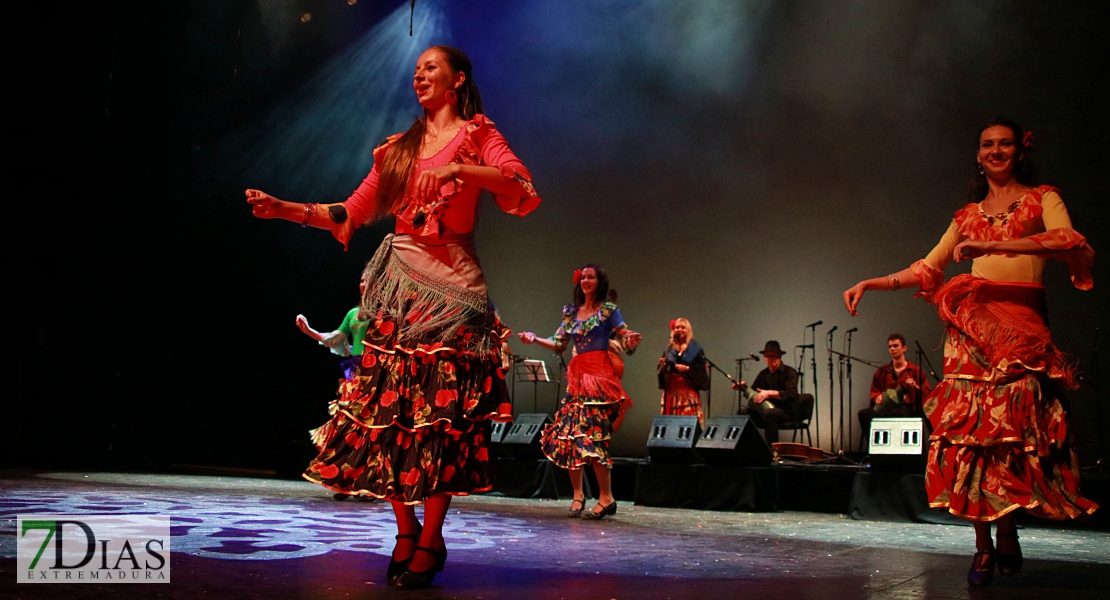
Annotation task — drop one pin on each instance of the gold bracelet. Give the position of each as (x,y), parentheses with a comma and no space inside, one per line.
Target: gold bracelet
(894,283)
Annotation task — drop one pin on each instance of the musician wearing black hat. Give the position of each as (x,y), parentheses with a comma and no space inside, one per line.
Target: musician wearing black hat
(773,394)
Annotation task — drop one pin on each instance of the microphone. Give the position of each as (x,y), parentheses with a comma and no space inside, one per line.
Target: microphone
(754,357)
(832,330)
(804,346)
(814,324)
(852,329)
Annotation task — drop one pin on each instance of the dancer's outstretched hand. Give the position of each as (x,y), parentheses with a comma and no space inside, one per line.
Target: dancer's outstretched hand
(852,296)
(263,205)
(302,324)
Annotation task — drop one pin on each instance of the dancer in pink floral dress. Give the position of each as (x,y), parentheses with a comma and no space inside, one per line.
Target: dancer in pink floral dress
(411,426)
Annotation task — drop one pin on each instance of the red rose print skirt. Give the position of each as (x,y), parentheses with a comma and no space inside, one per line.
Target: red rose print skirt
(1000,438)
(680,397)
(413,420)
(584,421)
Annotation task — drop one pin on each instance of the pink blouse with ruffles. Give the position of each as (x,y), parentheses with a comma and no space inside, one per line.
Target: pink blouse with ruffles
(436,234)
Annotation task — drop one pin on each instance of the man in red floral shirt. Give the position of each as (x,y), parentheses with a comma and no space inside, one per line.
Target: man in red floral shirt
(897,389)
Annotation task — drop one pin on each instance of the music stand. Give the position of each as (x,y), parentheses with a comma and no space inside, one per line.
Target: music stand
(534,371)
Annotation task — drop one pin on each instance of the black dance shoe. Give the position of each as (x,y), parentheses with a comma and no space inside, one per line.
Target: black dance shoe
(418,580)
(984,575)
(397,567)
(609,509)
(1010,564)
(441,557)
(574,513)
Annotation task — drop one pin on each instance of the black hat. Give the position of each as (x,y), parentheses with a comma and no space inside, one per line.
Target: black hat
(771,346)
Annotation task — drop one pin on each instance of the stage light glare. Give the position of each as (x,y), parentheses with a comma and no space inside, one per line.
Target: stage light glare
(318,142)
(305,18)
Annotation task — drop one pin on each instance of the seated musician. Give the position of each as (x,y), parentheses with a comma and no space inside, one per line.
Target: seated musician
(773,395)
(897,389)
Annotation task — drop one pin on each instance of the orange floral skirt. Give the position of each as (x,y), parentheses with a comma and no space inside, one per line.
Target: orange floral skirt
(1000,438)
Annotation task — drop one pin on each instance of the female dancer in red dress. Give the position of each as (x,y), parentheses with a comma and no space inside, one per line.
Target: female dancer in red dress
(683,372)
(1000,439)
(411,428)
(595,403)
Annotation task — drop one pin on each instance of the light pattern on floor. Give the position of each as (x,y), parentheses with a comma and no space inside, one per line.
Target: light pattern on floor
(242,527)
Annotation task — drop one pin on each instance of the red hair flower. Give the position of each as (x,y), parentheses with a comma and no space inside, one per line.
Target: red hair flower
(577,276)
(1027,140)
(673,321)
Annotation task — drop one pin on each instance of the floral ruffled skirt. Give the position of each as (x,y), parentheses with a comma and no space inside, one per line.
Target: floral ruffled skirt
(412,421)
(1000,438)
(584,422)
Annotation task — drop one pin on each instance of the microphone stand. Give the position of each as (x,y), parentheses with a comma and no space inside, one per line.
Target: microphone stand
(739,377)
(848,368)
(924,358)
(847,358)
(559,382)
(813,371)
(839,433)
(832,418)
(515,359)
(870,363)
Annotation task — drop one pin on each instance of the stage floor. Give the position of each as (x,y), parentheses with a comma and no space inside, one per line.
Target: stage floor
(258,538)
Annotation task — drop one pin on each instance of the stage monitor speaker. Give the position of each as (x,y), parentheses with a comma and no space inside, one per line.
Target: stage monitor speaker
(522,437)
(898,442)
(733,440)
(672,438)
(497,431)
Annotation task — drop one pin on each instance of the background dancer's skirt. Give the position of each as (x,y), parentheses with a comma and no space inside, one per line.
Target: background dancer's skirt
(680,397)
(412,421)
(999,417)
(322,435)
(584,421)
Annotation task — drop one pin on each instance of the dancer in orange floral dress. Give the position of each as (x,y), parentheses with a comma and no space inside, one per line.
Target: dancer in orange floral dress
(1000,439)
(411,423)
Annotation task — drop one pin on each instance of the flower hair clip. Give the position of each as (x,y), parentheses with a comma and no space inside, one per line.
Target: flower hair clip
(673,321)
(577,276)
(1027,140)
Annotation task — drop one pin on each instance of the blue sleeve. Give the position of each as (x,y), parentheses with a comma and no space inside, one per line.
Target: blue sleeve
(615,320)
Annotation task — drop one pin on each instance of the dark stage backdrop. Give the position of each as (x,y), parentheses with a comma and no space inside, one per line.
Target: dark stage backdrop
(736,163)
